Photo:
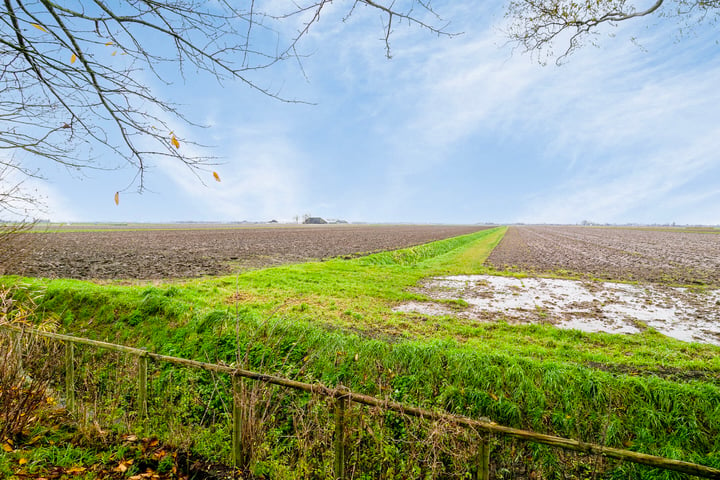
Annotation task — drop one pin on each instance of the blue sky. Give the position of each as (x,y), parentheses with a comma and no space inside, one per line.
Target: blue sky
(450,130)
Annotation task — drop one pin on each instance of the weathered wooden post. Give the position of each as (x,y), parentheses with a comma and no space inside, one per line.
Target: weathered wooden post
(142,385)
(70,376)
(339,407)
(237,421)
(483,458)
(17,349)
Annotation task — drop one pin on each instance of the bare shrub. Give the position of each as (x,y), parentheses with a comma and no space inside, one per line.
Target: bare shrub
(26,364)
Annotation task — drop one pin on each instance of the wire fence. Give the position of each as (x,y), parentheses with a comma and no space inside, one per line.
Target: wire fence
(266,423)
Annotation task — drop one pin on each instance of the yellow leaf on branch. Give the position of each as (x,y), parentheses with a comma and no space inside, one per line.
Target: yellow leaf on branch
(117,198)
(73,58)
(216,176)
(107,44)
(174,141)
(39,27)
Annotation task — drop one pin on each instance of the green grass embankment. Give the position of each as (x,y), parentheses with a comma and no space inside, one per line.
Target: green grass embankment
(333,322)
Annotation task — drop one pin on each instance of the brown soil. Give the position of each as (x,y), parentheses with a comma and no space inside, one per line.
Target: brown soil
(161,252)
(672,256)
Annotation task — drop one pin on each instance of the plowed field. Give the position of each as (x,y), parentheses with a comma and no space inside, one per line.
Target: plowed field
(675,256)
(658,259)
(166,252)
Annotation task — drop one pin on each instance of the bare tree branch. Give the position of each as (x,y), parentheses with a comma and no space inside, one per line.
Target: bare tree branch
(71,73)
(537,25)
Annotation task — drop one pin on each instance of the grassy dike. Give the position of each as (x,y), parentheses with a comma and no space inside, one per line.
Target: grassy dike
(333,322)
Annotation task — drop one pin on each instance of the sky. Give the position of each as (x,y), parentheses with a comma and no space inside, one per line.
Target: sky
(458,130)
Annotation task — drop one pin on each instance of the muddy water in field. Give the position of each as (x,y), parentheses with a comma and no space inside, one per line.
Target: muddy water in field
(691,315)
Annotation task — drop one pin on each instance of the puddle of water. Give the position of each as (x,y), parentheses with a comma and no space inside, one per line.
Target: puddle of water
(681,313)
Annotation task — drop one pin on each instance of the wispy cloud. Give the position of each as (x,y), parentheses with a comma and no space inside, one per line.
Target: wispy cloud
(53,203)
(260,179)
(459,129)
(618,129)
(634,184)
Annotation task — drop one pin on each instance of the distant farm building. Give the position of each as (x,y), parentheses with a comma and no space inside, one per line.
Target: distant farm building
(314,221)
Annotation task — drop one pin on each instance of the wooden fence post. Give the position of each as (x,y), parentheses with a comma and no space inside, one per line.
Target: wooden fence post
(339,408)
(142,385)
(70,376)
(237,421)
(17,349)
(483,458)
(487,428)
